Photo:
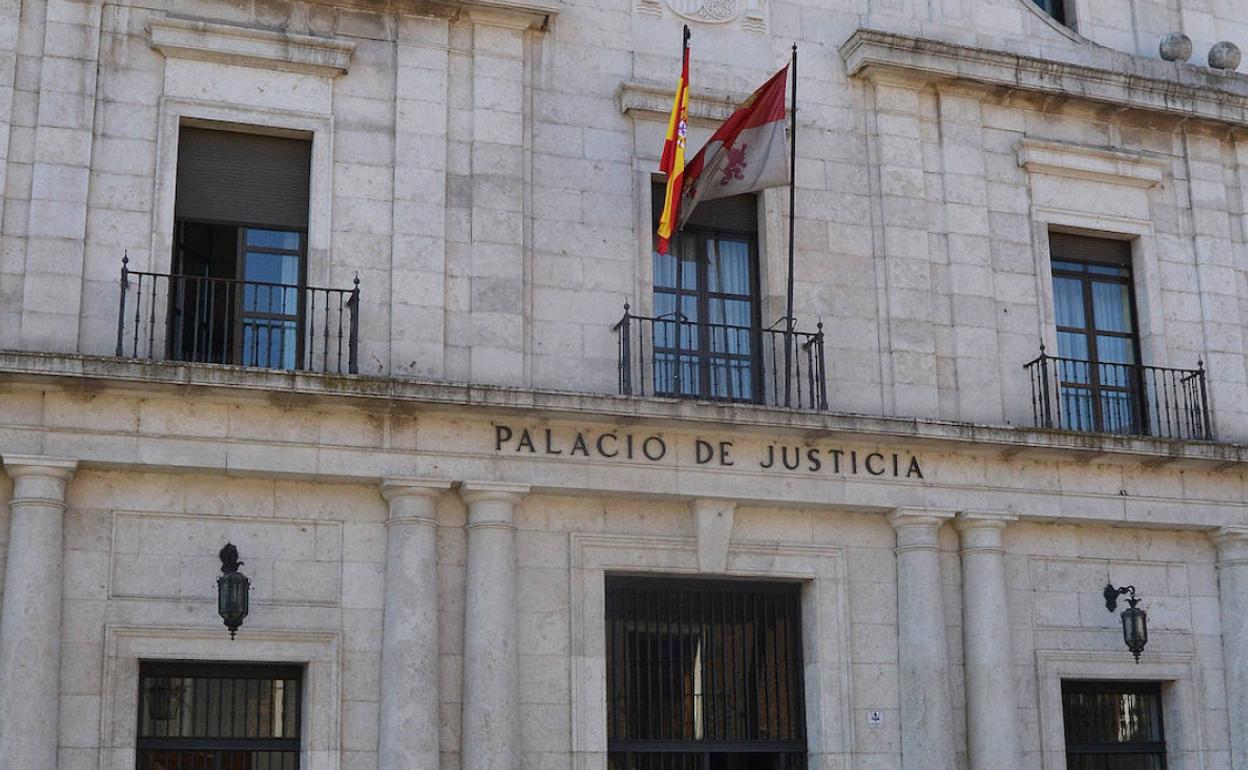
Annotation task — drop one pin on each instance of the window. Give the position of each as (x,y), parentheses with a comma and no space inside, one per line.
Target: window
(241,216)
(1113,726)
(1054,8)
(196,716)
(704,675)
(706,334)
(1098,350)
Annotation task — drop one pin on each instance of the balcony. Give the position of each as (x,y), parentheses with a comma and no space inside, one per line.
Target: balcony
(1127,399)
(671,356)
(212,320)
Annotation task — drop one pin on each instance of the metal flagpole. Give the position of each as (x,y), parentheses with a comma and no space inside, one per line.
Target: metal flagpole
(788,309)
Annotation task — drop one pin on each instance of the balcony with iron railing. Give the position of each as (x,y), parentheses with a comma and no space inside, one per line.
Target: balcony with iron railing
(1126,399)
(206,319)
(671,356)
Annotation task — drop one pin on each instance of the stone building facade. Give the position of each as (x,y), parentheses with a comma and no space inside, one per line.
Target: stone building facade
(343,283)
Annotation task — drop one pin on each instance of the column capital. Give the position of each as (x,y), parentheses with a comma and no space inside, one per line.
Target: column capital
(59,468)
(1232,543)
(918,528)
(492,491)
(981,531)
(984,519)
(413,501)
(919,517)
(395,487)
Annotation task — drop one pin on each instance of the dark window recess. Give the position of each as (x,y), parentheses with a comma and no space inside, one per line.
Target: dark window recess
(1054,8)
(1113,726)
(204,716)
(237,292)
(240,241)
(707,343)
(704,675)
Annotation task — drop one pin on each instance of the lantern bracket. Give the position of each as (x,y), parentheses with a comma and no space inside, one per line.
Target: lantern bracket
(1111,595)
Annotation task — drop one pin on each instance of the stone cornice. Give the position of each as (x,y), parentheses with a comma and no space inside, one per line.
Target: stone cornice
(230,44)
(653,101)
(386,393)
(1182,91)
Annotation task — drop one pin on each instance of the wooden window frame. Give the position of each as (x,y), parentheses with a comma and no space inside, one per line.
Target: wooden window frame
(1134,389)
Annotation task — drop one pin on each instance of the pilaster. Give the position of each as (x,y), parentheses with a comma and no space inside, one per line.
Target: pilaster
(992,735)
(1232,543)
(409,643)
(926,711)
(30,615)
(491,717)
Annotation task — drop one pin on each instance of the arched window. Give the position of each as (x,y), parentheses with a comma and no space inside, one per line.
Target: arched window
(1054,8)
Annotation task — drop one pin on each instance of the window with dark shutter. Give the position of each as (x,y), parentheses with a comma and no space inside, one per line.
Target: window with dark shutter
(240,240)
(704,675)
(209,716)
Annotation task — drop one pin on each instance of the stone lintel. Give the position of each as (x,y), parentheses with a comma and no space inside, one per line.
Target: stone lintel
(1098,164)
(653,101)
(1181,91)
(268,49)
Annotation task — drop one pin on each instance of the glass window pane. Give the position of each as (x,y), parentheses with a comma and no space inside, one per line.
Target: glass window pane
(1119,350)
(273,239)
(1111,306)
(1072,345)
(1075,267)
(272,268)
(664,270)
(1068,302)
(728,266)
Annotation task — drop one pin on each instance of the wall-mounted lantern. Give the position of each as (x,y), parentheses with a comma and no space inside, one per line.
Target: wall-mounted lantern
(233,588)
(1134,619)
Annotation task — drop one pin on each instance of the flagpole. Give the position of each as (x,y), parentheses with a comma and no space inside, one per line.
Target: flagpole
(788,309)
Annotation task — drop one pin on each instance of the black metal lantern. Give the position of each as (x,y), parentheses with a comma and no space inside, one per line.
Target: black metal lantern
(233,588)
(1134,619)
(163,699)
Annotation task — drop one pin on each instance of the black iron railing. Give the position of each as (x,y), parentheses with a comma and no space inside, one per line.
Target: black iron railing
(204,319)
(671,356)
(1131,399)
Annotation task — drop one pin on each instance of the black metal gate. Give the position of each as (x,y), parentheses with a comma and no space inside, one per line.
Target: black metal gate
(704,675)
(196,716)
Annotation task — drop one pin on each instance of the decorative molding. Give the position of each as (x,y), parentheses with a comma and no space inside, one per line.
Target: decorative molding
(825,615)
(1133,169)
(653,101)
(1178,671)
(178,38)
(124,646)
(1178,90)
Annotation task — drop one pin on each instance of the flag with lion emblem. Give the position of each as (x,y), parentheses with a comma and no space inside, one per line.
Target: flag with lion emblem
(747,153)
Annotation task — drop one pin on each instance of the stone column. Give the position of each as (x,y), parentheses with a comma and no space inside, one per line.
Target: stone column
(992,738)
(409,640)
(30,616)
(491,719)
(926,713)
(1232,545)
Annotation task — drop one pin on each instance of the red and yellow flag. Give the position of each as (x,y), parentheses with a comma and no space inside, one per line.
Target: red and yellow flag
(672,162)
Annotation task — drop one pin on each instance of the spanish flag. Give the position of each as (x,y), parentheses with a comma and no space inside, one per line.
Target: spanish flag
(673,161)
